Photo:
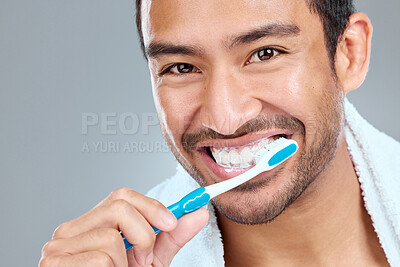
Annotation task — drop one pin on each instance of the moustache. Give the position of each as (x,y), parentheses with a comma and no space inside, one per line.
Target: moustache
(260,123)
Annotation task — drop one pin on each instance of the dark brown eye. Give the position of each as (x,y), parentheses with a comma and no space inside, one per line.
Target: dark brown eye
(265,54)
(181,68)
(184,68)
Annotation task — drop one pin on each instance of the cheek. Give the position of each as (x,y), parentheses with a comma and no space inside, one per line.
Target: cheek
(299,89)
(177,108)
(290,90)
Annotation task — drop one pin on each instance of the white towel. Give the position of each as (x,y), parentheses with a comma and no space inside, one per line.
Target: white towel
(376,158)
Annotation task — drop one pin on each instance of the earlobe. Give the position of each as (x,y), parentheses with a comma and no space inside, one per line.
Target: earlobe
(353,52)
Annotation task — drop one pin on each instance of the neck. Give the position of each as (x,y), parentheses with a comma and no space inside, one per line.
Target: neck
(328,222)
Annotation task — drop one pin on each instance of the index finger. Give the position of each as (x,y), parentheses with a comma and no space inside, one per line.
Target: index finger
(114,209)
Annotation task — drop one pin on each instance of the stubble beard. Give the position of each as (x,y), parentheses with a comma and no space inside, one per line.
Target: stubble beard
(311,162)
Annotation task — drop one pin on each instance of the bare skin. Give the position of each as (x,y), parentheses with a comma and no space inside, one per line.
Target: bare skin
(222,85)
(328,224)
(319,229)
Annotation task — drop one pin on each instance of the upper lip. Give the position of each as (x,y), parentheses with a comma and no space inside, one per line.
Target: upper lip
(242,140)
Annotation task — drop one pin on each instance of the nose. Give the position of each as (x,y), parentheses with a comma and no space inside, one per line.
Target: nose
(228,103)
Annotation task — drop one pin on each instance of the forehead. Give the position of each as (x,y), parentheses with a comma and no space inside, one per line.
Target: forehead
(208,21)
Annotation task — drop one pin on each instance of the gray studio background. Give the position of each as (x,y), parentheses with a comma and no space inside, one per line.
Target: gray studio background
(60,60)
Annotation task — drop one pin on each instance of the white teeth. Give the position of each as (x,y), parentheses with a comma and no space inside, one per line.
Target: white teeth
(247,157)
(239,157)
(234,158)
(223,158)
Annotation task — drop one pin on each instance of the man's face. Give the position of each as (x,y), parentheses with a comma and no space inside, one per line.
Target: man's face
(228,77)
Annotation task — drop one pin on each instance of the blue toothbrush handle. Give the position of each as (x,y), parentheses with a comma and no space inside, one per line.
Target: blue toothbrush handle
(191,202)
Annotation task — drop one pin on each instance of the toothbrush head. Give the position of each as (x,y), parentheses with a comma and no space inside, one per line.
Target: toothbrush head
(266,159)
(276,152)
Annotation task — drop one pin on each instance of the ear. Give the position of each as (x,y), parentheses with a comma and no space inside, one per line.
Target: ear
(353,52)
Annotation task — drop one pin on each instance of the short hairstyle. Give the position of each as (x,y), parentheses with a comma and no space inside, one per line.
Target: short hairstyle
(334,15)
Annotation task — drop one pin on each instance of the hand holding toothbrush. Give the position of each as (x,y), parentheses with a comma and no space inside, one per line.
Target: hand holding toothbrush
(267,158)
(94,239)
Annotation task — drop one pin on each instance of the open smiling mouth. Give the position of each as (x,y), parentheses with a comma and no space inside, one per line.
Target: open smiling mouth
(238,157)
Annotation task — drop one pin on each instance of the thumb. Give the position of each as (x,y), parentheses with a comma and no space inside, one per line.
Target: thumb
(169,243)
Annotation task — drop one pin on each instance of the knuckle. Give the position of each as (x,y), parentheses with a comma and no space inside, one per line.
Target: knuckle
(113,236)
(122,192)
(147,239)
(60,230)
(48,261)
(120,206)
(48,247)
(102,259)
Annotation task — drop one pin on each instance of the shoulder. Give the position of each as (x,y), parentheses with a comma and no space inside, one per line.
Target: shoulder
(376,161)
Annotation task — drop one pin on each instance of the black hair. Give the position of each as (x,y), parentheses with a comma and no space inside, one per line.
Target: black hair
(334,15)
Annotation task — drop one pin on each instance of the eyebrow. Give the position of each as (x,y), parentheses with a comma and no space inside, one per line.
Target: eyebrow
(269,30)
(156,49)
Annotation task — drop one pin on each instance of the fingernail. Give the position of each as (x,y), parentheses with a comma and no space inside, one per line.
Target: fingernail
(149,259)
(168,218)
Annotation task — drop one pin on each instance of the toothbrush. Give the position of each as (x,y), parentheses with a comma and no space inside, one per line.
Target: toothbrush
(266,159)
